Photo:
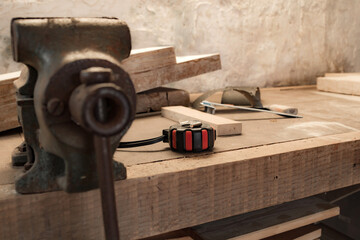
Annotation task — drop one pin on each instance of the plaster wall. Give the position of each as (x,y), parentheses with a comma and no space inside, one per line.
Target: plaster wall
(262,43)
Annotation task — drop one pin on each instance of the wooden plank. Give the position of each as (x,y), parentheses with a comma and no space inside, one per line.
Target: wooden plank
(169,195)
(310,232)
(341,84)
(271,221)
(8,78)
(146,59)
(190,66)
(185,67)
(222,125)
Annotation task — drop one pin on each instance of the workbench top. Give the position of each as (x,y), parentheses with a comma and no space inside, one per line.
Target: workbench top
(275,160)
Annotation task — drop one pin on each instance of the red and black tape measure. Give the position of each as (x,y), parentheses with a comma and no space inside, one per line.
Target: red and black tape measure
(189,136)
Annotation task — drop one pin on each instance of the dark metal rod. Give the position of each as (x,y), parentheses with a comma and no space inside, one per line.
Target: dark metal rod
(106,184)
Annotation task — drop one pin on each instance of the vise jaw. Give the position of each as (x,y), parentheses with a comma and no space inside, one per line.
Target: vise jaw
(71,89)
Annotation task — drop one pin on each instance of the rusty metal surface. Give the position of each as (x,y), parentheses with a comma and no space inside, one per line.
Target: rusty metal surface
(74,104)
(56,52)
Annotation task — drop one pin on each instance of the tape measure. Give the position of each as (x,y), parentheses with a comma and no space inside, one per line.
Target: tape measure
(191,136)
(188,136)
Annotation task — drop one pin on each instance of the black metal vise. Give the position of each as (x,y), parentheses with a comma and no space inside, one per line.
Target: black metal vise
(71,90)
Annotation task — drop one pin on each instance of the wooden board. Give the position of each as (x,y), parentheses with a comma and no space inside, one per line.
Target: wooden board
(146,59)
(9,77)
(223,126)
(185,67)
(340,83)
(270,221)
(310,232)
(164,196)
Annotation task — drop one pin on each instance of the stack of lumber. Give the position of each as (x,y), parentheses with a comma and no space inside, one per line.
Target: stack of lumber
(148,68)
(152,67)
(292,220)
(289,221)
(346,83)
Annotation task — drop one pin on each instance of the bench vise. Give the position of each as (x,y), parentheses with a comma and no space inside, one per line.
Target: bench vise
(74,101)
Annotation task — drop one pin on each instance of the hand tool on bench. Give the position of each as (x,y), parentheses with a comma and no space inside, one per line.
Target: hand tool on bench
(75,103)
(244,96)
(240,98)
(210,107)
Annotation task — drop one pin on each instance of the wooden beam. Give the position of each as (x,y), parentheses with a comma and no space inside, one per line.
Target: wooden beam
(222,125)
(146,59)
(169,195)
(347,84)
(185,67)
(271,221)
(9,78)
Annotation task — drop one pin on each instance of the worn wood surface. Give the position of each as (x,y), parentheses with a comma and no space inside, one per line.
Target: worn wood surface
(323,114)
(167,191)
(269,221)
(223,126)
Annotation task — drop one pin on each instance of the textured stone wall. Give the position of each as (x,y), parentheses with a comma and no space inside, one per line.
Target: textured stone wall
(261,42)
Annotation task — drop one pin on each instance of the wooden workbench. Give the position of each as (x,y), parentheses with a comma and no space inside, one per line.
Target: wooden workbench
(275,160)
